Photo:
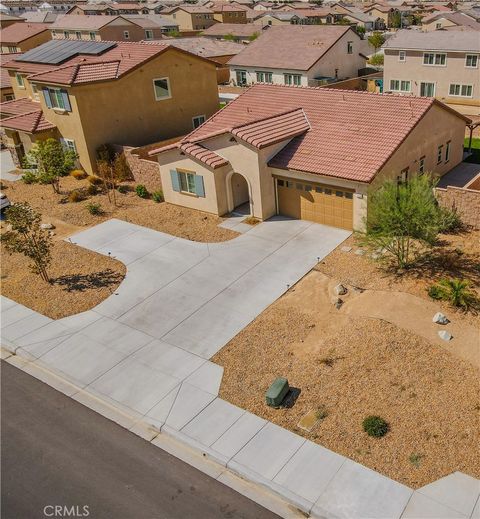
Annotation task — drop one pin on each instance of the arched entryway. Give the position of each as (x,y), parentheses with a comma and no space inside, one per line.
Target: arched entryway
(239,194)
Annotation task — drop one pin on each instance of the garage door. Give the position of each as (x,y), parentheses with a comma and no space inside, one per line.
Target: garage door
(319,203)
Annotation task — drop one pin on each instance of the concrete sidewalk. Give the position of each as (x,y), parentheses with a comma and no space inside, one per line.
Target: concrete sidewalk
(144,352)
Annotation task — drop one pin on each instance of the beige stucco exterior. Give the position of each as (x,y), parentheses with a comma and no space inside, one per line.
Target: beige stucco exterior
(454,71)
(27,44)
(439,126)
(126,112)
(191,21)
(438,23)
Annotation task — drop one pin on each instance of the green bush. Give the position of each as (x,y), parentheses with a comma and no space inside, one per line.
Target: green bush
(449,220)
(157,196)
(141,191)
(92,189)
(375,426)
(94,208)
(30,177)
(456,291)
(122,188)
(376,60)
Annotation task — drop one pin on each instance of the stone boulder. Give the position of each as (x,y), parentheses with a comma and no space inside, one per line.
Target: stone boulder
(446,336)
(47,226)
(439,318)
(340,290)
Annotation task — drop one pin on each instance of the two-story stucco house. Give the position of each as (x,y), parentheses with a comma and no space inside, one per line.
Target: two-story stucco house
(309,153)
(190,17)
(299,55)
(441,64)
(21,37)
(88,93)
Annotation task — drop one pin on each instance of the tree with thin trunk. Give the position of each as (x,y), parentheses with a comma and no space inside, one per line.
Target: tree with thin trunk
(112,168)
(51,161)
(376,40)
(28,238)
(401,214)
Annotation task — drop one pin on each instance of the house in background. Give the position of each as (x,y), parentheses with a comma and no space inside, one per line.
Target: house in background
(308,153)
(449,21)
(367,21)
(441,64)
(229,13)
(9,19)
(240,32)
(40,16)
(219,51)
(300,55)
(87,93)
(6,89)
(112,9)
(110,28)
(21,37)
(190,18)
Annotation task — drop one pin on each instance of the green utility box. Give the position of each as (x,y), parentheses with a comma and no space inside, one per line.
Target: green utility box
(277,392)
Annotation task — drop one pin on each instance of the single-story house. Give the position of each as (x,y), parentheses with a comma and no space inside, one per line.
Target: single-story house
(308,153)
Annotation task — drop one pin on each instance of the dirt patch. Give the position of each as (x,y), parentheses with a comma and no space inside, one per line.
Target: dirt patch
(171,219)
(352,366)
(81,279)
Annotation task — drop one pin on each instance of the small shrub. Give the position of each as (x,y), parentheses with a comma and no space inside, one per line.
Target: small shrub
(449,220)
(94,209)
(91,189)
(30,177)
(321,413)
(94,180)
(375,426)
(415,458)
(122,188)
(157,196)
(79,174)
(75,196)
(456,291)
(251,220)
(141,191)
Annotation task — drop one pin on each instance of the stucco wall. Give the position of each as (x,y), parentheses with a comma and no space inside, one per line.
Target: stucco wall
(29,43)
(465,201)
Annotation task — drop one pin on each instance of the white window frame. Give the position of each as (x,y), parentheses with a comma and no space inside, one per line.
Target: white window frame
(126,35)
(35,92)
(12,48)
(471,56)
(20,80)
(78,35)
(435,54)
(148,34)
(69,144)
(461,85)
(264,76)
(66,35)
(402,56)
(92,35)
(427,83)
(289,79)
(183,179)
(56,98)
(163,98)
(349,47)
(198,117)
(399,89)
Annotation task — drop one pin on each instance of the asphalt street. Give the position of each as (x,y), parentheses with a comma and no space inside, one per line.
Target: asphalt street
(58,453)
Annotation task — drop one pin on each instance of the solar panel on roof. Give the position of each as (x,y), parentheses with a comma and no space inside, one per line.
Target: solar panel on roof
(55,52)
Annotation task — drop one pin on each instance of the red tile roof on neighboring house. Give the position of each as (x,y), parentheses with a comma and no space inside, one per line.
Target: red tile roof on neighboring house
(18,32)
(292,47)
(112,64)
(5,81)
(32,122)
(18,106)
(208,157)
(350,134)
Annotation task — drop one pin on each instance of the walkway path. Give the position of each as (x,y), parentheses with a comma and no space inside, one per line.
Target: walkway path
(145,351)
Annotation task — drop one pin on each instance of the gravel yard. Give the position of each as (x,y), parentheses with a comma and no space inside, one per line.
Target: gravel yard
(348,365)
(171,219)
(80,280)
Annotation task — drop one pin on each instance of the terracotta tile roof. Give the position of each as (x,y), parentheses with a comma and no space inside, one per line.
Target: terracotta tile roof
(31,122)
(112,64)
(274,129)
(193,9)
(351,134)
(207,47)
(18,106)
(241,30)
(293,47)
(434,40)
(5,81)
(208,157)
(18,32)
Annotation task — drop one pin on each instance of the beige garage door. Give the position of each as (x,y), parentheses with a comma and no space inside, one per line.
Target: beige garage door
(329,205)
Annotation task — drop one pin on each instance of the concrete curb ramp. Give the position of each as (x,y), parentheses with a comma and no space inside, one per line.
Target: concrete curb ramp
(140,358)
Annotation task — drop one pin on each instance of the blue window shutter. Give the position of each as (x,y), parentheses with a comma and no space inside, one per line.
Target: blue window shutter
(46,95)
(175,180)
(199,188)
(66,101)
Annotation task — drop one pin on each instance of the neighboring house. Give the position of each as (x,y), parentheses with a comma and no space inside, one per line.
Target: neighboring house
(21,37)
(40,16)
(384,12)
(243,32)
(439,64)
(19,7)
(109,28)
(113,9)
(6,89)
(219,51)
(87,93)
(277,18)
(229,13)
(305,55)
(309,153)
(190,17)
(449,21)
(9,19)
(368,22)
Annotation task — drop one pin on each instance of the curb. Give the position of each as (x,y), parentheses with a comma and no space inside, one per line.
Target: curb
(174,442)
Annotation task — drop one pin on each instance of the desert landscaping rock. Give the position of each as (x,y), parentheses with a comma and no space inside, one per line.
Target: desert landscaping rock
(446,336)
(439,318)
(340,290)
(47,226)
(337,302)
(359,252)
(346,249)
